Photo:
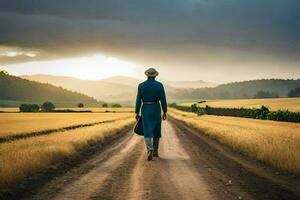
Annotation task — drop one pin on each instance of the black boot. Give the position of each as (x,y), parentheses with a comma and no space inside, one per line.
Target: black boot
(155,145)
(150,155)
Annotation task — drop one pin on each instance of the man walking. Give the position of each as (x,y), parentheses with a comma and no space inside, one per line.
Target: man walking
(150,100)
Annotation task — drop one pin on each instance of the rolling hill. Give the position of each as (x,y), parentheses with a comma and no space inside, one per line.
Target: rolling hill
(124,80)
(123,89)
(15,90)
(120,89)
(101,90)
(115,89)
(190,84)
(242,90)
(171,84)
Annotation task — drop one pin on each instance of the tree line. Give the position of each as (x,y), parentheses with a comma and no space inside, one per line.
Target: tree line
(256,113)
(49,107)
(45,107)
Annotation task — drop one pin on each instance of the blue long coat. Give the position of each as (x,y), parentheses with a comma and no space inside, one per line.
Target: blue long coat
(151,91)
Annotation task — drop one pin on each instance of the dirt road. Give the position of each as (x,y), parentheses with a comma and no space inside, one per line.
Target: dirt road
(190,166)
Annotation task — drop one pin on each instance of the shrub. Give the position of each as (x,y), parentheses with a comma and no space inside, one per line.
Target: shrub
(284,115)
(80,105)
(201,111)
(183,108)
(104,105)
(255,113)
(47,106)
(116,105)
(194,108)
(29,108)
(261,113)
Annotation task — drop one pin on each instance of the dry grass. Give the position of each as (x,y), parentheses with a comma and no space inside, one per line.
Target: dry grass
(275,143)
(100,109)
(292,104)
(21,158)
(17,123)
(9,109)
(93,109)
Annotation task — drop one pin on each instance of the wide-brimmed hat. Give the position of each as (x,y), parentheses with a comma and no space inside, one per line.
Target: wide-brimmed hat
(151,72)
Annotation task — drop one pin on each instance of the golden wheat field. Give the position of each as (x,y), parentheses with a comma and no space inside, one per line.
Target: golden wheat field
(24,157)
(292,104)
(9,109)
(93,109)
(275,143)
(19,123)
(101,109)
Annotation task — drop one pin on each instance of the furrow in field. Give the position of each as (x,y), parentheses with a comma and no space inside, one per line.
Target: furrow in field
(10,138)
(19,123)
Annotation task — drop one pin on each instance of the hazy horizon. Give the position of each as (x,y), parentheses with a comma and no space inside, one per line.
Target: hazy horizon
(141,78)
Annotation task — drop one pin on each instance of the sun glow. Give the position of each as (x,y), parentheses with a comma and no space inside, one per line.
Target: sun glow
(6,51)
(93,67)
(17,53)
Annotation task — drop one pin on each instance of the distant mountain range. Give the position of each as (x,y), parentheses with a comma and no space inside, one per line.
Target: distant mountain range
(174,84)
(114,89)
(190,84)
(101,90)
(242,90)
(15,90)
(124,80)
(123,89)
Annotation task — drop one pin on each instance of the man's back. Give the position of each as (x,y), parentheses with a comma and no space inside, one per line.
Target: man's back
(151,90)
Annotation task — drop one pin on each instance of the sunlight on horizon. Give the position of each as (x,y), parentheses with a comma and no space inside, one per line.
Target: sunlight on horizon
(93,67)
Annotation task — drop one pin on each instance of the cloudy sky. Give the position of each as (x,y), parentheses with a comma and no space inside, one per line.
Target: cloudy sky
(213,40)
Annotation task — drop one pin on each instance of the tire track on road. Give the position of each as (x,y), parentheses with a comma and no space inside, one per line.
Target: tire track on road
(190,167)
(84,181)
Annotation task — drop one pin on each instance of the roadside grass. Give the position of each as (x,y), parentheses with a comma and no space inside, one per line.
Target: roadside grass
(101,109)
(274,143)
(22,158)
(93,109)
(291,104)
(9,109)
(19,123)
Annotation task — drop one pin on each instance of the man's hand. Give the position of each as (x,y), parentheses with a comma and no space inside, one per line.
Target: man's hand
(164,116)
(137,117)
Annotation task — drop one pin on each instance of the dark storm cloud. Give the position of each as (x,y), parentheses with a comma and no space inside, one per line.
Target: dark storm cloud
(171,31)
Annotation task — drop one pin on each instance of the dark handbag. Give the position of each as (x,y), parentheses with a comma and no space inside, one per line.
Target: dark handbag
(138,128)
